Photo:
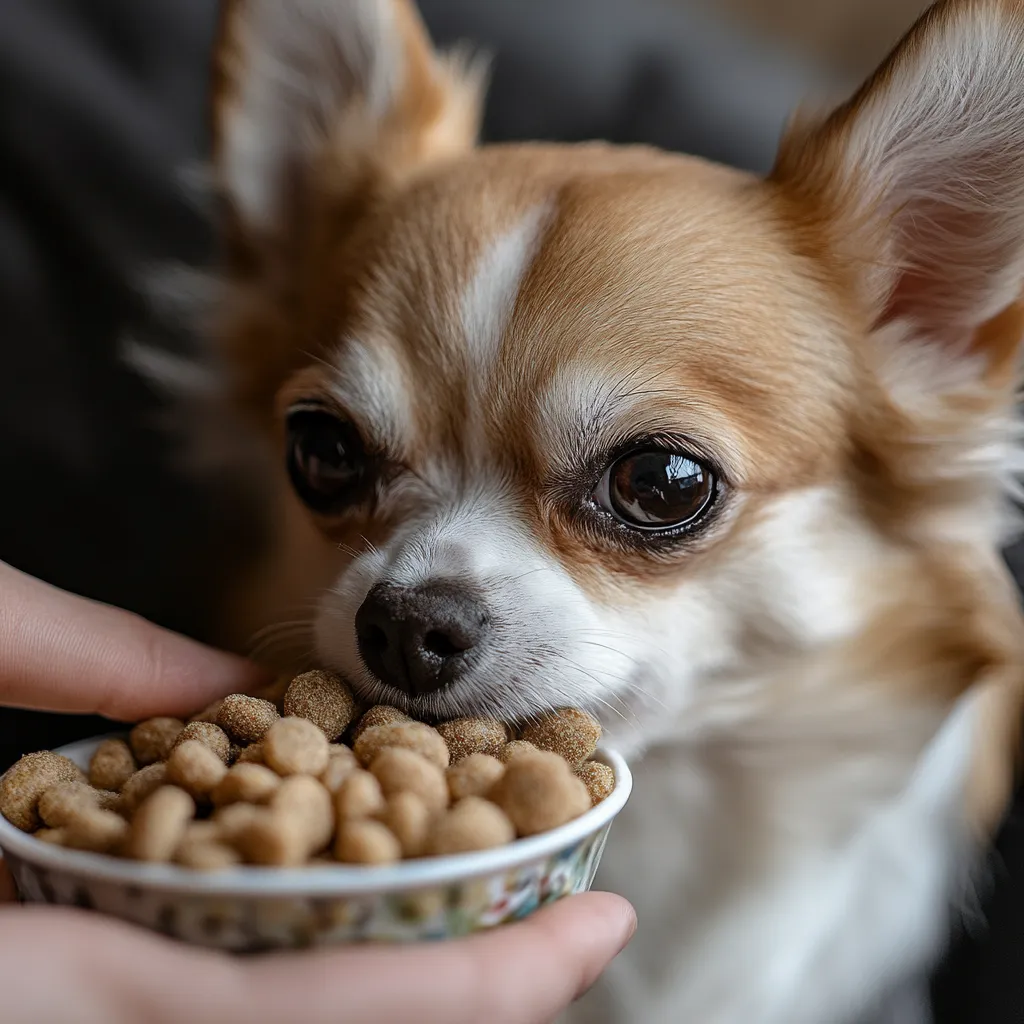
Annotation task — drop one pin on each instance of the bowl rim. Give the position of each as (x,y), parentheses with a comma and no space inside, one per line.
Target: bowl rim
(324,880)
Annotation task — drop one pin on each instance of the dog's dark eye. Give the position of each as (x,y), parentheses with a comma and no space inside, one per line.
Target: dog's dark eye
(656,489)
(326,459)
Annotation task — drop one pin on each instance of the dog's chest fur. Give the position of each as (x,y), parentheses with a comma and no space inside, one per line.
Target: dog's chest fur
(743,919)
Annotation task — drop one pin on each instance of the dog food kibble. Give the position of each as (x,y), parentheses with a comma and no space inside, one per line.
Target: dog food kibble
(112,765)
(59,804)
(366,842)
(196,768)
(570,733)
(465,736)
(209,734)
(474,776)
(232,821)
(54,836)
(341,763)
(295,746)
(598,778)
(247,719)
(539,792)
(308,808)
(359,796)
(379,714)
(96,831)
(303,780)
(159,824)
(515,749)
(323,699)
(409,735)
(408,818)
(25,782)
(252,754)
(399,770)
(139,786)
(152,740)
(206,855)
(245,783)
(472,824)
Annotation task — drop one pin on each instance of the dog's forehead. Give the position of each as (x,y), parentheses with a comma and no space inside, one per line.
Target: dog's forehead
(551,303)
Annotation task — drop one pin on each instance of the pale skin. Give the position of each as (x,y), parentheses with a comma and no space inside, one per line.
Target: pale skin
(62,653)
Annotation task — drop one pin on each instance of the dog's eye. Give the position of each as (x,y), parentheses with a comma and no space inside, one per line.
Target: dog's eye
(656,489)
(326,459)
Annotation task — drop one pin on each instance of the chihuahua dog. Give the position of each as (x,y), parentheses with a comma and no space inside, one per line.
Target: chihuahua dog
(728,461)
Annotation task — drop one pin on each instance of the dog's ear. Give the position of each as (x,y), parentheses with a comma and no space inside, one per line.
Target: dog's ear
(915,189)
(340,94)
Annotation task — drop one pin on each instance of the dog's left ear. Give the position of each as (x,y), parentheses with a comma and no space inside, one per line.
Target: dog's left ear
(916,193)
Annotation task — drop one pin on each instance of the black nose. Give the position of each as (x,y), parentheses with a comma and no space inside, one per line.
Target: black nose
(417,639)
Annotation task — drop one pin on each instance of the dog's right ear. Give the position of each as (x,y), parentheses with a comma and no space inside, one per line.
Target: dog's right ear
(335,95)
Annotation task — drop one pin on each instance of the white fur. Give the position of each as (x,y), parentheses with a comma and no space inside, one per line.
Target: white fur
(745,920)
(489,298)
(371,385)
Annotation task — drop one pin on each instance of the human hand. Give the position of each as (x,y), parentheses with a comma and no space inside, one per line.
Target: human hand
(63,653)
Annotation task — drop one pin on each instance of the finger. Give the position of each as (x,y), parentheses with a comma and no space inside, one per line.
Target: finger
(526,973)
(59,652)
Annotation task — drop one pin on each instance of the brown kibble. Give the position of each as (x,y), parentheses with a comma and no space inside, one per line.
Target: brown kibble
(465,736)
(59,804)
(379,714)
(409,735)
(246,719)
(96,831)
(474,776)
(153,739)
(209,713)
(515,749)
(341,763)
(159,824)
(206,855)
(539,793)
(210,735)
(399,770)
(472,824)
(140,785)
(233,820)
(26,781)
(196,768)
(53,836)
(252,754)
(245,783)
(307,806)
(202,832)
(571,733)
(323,699)
(359,796)
(272,839)
(112,765)
(598,778)
(295,746)
(366,842)
(408,818)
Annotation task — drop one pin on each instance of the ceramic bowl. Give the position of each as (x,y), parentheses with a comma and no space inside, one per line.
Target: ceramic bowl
(252,909)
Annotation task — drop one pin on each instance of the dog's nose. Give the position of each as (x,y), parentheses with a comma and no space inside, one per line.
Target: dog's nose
(417,639)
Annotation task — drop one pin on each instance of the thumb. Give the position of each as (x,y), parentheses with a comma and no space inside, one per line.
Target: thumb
(59,652)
